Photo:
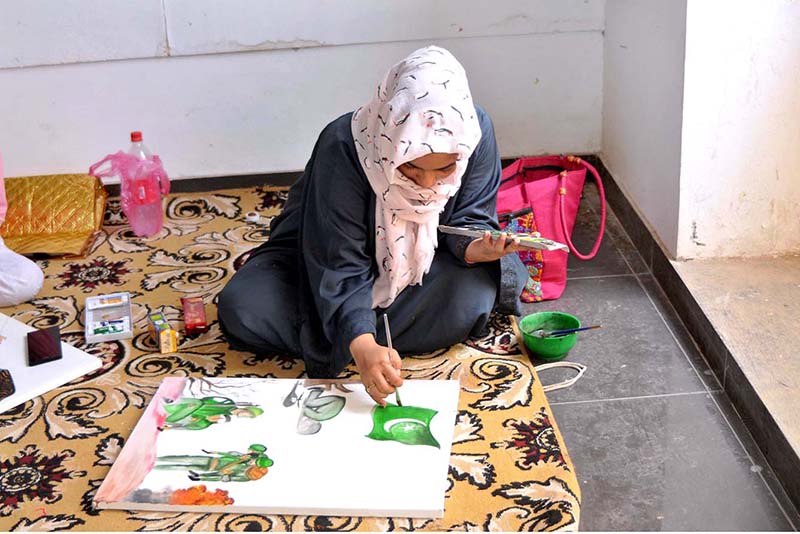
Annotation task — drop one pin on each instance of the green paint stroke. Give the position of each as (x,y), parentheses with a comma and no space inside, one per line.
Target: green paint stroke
(404,424)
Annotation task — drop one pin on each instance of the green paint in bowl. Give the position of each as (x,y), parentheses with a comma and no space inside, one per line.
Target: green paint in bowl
(549,348)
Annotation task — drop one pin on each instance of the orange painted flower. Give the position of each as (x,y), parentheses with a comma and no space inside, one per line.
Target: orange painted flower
(200,496)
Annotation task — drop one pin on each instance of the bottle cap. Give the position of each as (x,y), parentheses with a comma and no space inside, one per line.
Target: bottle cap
(136,137)
(252,216)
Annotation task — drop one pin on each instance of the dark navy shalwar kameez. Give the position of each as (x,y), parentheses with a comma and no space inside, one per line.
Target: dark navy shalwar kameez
(308,290)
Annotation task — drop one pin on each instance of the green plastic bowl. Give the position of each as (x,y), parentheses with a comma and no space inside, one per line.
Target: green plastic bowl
(549,348)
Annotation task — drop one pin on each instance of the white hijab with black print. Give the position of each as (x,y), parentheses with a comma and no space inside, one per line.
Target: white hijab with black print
(423,105)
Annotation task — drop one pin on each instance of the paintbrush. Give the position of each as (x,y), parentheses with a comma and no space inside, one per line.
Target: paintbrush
(389,343)
(557,333)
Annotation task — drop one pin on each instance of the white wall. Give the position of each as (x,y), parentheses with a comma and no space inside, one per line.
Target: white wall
(244,86)
(642,107)
(740,170)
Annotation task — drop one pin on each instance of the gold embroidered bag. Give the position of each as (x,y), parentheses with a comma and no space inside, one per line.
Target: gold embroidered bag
(57,214)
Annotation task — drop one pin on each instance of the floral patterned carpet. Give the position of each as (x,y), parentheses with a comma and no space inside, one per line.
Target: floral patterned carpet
(508,470)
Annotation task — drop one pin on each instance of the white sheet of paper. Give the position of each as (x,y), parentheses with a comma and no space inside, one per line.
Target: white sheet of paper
(31,382)
(336,471)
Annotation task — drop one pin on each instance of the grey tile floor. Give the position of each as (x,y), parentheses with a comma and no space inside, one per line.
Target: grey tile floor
(655,442)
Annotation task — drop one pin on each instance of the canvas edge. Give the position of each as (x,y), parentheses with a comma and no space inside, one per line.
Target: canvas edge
(266,510)
(129,452)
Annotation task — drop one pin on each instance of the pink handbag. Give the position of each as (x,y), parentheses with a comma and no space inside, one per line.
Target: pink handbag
(542,194)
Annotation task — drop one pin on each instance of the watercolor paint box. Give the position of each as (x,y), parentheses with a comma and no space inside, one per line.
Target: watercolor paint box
(108,317)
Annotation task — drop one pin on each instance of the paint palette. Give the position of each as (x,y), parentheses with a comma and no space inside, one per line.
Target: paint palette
(525,240)
(108,317)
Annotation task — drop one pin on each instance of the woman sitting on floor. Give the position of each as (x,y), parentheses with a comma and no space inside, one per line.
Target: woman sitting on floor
(358,235)
(20,278)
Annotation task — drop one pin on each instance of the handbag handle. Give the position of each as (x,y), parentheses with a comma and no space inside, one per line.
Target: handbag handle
(562,191)
(557,168)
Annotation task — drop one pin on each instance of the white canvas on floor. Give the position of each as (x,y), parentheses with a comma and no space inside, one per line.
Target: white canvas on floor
(287,446)
(30,382)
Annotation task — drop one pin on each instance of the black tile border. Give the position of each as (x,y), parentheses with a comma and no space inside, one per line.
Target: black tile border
(202,185)
(771,441)
(746,437)
(697,323)
(765,431)
(640,236)
(685,340)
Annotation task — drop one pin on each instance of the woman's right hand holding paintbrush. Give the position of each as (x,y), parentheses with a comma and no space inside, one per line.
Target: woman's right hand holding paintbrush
(379,367)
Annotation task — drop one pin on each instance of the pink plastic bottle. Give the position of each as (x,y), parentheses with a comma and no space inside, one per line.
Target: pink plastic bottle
(146,215)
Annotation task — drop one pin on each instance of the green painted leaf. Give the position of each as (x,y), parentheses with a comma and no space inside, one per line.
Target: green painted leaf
(322,408)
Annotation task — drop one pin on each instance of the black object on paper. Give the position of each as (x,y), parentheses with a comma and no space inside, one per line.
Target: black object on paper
(6,384)
(44,346)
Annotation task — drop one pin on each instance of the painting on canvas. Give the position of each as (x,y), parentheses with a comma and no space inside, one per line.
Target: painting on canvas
(288,446)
